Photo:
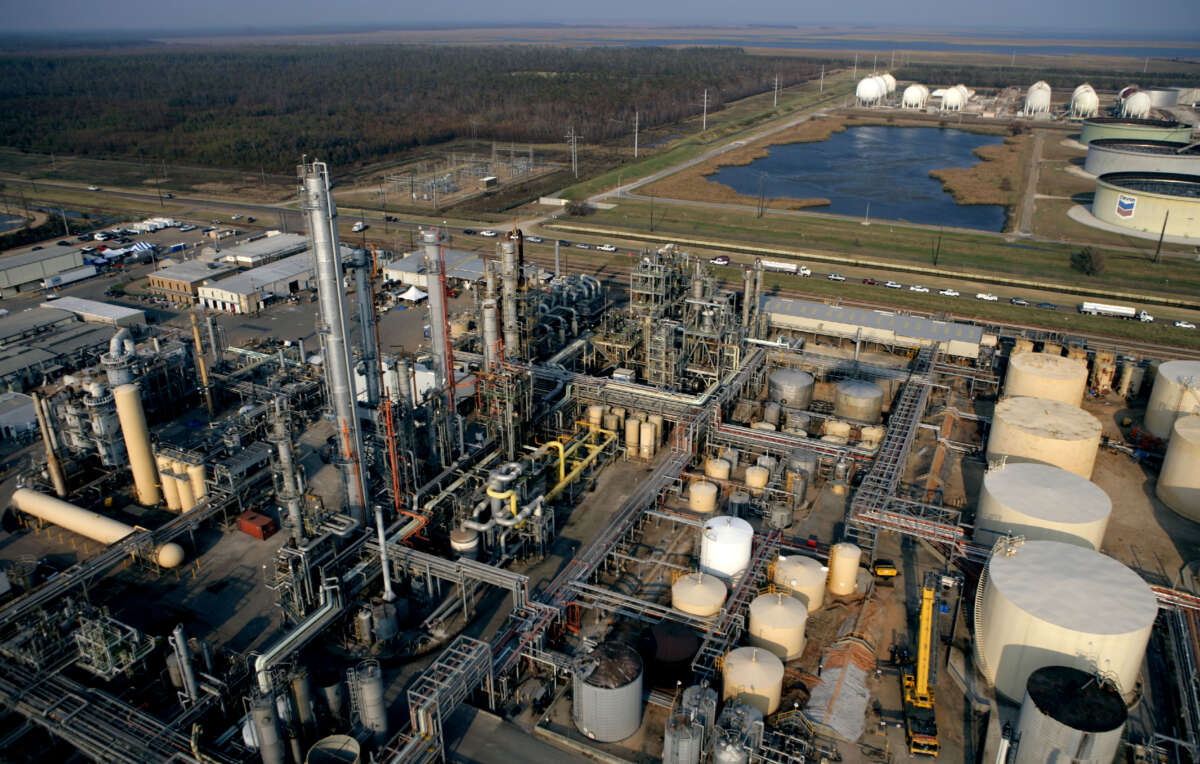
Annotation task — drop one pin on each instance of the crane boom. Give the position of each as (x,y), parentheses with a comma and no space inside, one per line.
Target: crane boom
(920,718)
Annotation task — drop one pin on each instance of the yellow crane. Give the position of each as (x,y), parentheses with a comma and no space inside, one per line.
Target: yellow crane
(920,720)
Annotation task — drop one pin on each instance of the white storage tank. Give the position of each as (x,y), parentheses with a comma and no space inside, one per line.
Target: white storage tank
(1041,502)
(755,677)
(702,497)
(1136,105)
(1179,479)
(1176,391)
(1046,603)
(777,624)
(790,387)
(633,429)
(859,400)
(915,97)
(607,692)
(1044,375)
(464,542)
(1037,98)
(699,594)
(647,439)
(756,479)
(803,578)
(725,547)
(659,428)
(1069,716)
(1052,432)
(595,415)
(843,568)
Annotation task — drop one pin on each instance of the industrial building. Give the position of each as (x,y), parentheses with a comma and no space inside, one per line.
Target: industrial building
(1107,155)
(411,269)
(660,517)
(178,283)
(23,270)
(1153,202)
(96,312)
(247,291)
(1128,128)
(41,342)
(263,249)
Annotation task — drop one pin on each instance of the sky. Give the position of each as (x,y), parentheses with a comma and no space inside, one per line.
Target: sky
(1179,19)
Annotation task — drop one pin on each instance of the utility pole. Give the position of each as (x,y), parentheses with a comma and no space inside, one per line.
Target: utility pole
(762,179)
(383,204)
(704,120)
(635,135)
(855,75)
(776,104)
(66,227)
(573,139)
(822,78)
(1162,235)
(652,211)
(874,63)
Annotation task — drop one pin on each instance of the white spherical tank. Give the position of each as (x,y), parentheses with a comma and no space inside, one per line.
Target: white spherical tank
(1041,502)
(725,547)
(1136,106)
(790,387)
(756,479)
(870,90)
(1068,715)
(1176,391)
(915,97)
(607,692)
(859,400)
(1037,98)
(1045,603)
(1052,432)
(755,677)
(718,469)
(889,81)
(1084,102)
(1044,375)
(1179,479)
(702,497)
(843,568)
(777,624)
(953,99)
(803,578)
(699,594)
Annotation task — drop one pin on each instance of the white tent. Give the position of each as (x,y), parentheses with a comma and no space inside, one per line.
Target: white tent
(413,295)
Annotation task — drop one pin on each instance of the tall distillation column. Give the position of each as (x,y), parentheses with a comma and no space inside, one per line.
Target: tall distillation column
(443,367)
(318,206)
(508,292)
(364,267)
(291,489)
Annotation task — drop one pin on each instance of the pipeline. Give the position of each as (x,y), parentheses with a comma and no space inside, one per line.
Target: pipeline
(331,606)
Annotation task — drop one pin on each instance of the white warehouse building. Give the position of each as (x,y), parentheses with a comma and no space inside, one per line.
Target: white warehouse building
(248,291)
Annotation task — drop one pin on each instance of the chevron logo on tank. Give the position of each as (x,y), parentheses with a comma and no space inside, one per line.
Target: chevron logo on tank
(1125,205)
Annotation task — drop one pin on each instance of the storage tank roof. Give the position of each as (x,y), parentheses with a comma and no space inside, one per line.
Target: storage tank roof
(1072,587)
(1188,428)
(1050,365)
(1047,419)
(1077,699)
(616,664)
(779,610)
(1181,372)
(1048,493)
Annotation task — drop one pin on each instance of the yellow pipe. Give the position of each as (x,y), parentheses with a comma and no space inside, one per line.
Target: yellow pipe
(610,437)
(510,494)
(562,459)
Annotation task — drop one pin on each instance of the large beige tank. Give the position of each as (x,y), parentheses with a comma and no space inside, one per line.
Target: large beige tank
(717,469)
(790,387)
(595,415)
(137,443)
(1052,432)
(198,475)
(647,440)
(95,526)
(838,428)
(633,429)
(859,400)
(1041,375)
(843,568)
(659,427)
(170,487)
(702,497)
(1176,391)
(1046,603)
(1179,480)
(187,499)
(756,479)
(699,594)
(1041,502)
(753,676)
(803,578)
(777,624)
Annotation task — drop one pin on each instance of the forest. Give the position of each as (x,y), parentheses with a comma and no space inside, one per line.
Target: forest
(265,107)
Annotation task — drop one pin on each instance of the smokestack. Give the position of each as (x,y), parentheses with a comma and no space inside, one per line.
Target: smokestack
(747,297)
(491,334)
(137,444)
(214,345)
(366,323)
(321,214)
(557,259)
(508,290)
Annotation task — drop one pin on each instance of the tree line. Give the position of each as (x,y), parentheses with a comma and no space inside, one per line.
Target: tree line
(266,107)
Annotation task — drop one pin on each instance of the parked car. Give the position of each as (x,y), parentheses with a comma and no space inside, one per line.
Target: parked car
(986,296)
(893,285)
(948,292)
(870,282)
(1185,324)
(720,260)
(836,277)
(488,233)
(918,288)
(1019,301)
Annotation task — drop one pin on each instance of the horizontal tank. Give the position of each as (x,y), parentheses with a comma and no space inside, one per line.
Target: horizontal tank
(1176,391)
(753,676)
(790,387)
(1044,375)
(777,624)
(859,400)
(1046,603)
(725,547)
(607,697)
(1052,432)
(1041,502)
(1069,716)
(698,594)
(803,578)
(1179,479)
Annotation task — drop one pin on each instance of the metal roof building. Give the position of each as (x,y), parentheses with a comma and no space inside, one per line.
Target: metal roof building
(462,265)
(265,249)
(40,343)
(23,270)
(246,291)
(96,312)
(178,283)
(883,327)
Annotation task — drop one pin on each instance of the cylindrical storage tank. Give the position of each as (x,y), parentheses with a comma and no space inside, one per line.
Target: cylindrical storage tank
(1176,391)
(730,455)
(683,741)
(607,698)
(611,422)
(618,412)
(1042,375)
(767,462)
(1052,432)
(1041,502)
(790,387)
(738,504)
(667,650)
(756,479)
(1045,603)
(595,415)
(753,676)
(659,423)
(1069,716)
(137,443)
(464,542)
(771,414)
(843,568)
(699,594)
(633,429)
(837,428)
(95,526)
(198,475)
(373,707)
(725,547)
(334,749)
(777,624)
(858,400)
(1179,479)
(170,487)
(266,728)
(702,497)
(717,469)
(803,578)
(646,440)
(187,499)
(762,426)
